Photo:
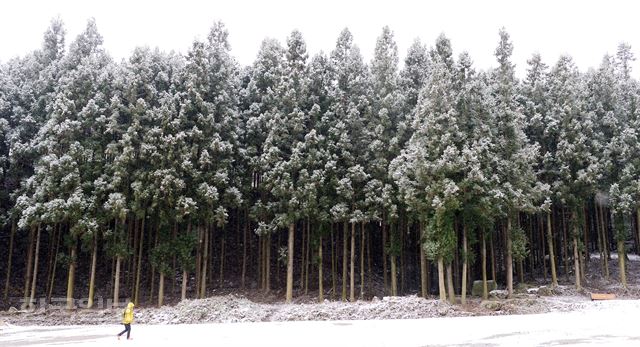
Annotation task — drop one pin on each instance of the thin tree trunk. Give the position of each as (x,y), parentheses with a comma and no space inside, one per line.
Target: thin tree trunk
(9,258)
(362,240)
(289,294)
(494,274)
(543,248)
(621,264)
(424,290)
(131,280)
(450,289)
(28,275)
(92,279)
(307,260)
(334,266)
(352,289)
(198,268)
(161,289)
(205,262)
(244,249)
(441,286)
(402,255)
(638,226)
(72,276)
(587,254)
(320,278)
(576,262)
(55,264)
(605,243)
(485,289)
(268,264)
(384,256)
(153,268)
(344,261)
(552,257)
(303,257)
(211,258)
(565,246)
(116,285)
(185,278)
(393,260)
(139,267)
(50,258)
(32,297)
(222,255)
(463,289)
(369,262)
(509,259)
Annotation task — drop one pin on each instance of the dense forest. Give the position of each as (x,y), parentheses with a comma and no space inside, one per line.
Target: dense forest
(168,176)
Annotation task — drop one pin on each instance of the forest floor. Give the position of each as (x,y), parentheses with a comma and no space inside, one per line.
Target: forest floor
(532,298)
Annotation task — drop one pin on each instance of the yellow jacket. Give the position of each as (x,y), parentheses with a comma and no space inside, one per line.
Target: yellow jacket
(127,315)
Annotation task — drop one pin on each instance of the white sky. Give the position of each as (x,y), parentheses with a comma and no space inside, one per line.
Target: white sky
(584,29)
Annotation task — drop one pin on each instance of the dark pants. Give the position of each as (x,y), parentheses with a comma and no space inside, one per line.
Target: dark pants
(127,329)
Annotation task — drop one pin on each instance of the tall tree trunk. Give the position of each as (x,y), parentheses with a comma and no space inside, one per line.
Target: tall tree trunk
(463,288)
(9,258)
(450,289)
(424,290)
(369,262)
(307,260)
(34,281)
(28,274)
(441,286)
(402,257)
(485,289)
(92,279)
(552,257)
(576,262)
(116,283)
(393,260)
(244,249)
(303,257)
(289,294)
(205,262)
(222,255)
(565,246)
(492,253)
(55,263)
(161,289)
(638,226)
(509,259)
(384,256)
(334,265)
(268,265)
(185,279)
(352,284)
(344,261)
(136,297)
(362,240)
(587,255)
(605,243)
(72,275)
(131,279)
(621,264)
(320,278)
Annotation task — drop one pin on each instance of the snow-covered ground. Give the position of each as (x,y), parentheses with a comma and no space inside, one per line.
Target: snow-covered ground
(609,323)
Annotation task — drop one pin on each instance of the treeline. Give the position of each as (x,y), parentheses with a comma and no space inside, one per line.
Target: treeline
(325,174)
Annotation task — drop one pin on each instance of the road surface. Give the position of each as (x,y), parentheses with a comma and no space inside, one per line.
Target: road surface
(613,324)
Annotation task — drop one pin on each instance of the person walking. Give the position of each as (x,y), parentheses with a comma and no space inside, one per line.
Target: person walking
(127,319)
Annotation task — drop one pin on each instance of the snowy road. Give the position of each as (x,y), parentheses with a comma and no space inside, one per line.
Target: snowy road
(612,323)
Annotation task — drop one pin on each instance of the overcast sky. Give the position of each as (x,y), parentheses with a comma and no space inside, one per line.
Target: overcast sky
(584,29)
